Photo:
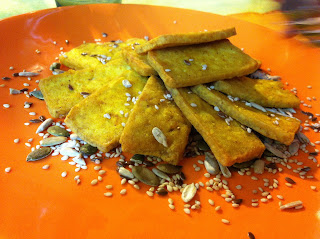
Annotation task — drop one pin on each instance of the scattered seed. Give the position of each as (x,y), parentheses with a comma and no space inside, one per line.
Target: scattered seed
(288,185)
(39,154)
(123,191)
(225,221)
(218,208)
(291,205)
(187,210)
(251,236)
(145,175)
(64,174)
(159,136)
(171,206)
(7,170)
(94,182)
(108,194)
(45,166)
(188,192)
(101,172)
(314,188)
(290,180)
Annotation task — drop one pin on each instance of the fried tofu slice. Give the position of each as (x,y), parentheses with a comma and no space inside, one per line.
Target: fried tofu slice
(100,118)
(94,54)
(277,127)
(266,93)
(62,92)
(182,39)
(139,63)
(153,110)
(196,64)
(228,141)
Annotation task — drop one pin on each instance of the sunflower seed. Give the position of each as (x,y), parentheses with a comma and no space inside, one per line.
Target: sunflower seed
(14,91)
(39,154)
(188,192)
(251,236)
(169,168)
(35,120)
(159,136)
(67,151)
(162,192)
(302,138)
(125,173)
(258,166)
(211,164)
(274,150)
(37,94)
(51,141)
(145,175)
(290,180)
(161,174)
(44,125)
(224,170)
(58,131)
(27,74)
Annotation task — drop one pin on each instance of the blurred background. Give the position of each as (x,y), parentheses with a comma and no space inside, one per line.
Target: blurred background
(295,18)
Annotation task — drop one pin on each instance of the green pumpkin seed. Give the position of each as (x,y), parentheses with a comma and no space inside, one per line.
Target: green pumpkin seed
(58,131)
(88,149)
(246,164)
(39,154)
(169,168)
(161,174)
(51,141)
(145,175)
(202,145)
(38,94)
(139,157)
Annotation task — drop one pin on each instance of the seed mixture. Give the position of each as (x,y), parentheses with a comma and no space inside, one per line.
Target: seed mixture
(163,178)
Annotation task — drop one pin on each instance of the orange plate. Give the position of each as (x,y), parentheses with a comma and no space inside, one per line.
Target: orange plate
(37,203)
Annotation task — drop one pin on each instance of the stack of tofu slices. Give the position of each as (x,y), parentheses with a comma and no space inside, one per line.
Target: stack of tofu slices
(146,96)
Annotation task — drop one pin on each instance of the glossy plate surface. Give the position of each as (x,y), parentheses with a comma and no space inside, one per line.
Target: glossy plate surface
(37,203)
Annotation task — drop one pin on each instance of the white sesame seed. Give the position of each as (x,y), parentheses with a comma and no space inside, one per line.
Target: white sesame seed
(7,170)
(167,70)
(217,208)
(204,67)
(254,178)
(28,144)
(309,86)
(64,174)
(6,106)
(249,130)
(77,169)
(239,187)
(26,123)
(101,172)
(123,191)
(94,182)
(207,175)
(216,108)
(211,202)
(16,141)
(170,200)
(187,210)
(314,188)
(108,194)
(45,166)
(157,107)
(26,84)
(171,206)
(107,116)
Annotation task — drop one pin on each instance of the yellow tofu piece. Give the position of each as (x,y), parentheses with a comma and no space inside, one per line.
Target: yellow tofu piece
(94,54)
(62,92)
(266,93)
(279,127)
(227,140)
(98,119)
(196,64)
(182,39)
(151,111)
(139,63)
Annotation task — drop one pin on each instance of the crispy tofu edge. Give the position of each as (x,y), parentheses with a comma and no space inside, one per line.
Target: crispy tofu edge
(137,64)
(180,39)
